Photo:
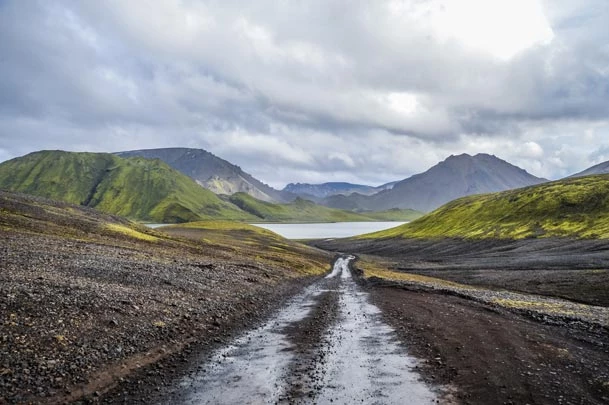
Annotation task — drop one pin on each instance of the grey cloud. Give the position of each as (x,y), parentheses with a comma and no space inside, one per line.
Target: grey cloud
(115,75)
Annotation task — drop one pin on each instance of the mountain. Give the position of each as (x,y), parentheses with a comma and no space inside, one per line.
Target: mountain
(333,188)
(455,177)
(211,172)
(135,188)
(301,210)
(575,207)
(601,168)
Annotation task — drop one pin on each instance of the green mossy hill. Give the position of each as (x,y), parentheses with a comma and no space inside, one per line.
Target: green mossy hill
(575,208)
(301,210)
(36,215)
(135,188)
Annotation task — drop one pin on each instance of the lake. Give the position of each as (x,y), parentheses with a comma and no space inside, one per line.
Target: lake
(327,230)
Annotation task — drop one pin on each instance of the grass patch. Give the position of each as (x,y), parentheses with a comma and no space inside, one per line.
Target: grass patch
(264,247)
(539,306)
(372,269)
(130,232)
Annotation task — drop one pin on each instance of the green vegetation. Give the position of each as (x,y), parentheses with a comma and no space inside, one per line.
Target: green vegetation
(576,207)
(135,188)
(34,215)
(249,241)
(301,210)
(148,190)
(230,241)
(130,232)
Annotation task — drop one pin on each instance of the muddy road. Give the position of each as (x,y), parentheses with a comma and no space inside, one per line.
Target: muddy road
(327,345)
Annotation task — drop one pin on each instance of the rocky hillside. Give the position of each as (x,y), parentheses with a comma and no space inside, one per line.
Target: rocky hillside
(118,297)
(212,172)
(455,177)
(135,188)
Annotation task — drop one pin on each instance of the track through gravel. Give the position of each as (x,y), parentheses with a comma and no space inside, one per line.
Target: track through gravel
(327,345)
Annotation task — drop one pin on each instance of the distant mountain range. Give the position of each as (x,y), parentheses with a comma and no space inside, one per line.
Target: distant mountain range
(455,177)
(165,185)
(150,190)
(212,172)
(334,188)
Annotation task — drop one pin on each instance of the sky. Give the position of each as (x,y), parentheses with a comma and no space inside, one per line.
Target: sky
(312,90)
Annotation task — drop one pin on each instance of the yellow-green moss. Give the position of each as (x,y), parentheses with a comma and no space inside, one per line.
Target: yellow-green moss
(130,232)
(567,208)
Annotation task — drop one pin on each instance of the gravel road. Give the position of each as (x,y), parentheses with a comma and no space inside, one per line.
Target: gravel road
(327,345)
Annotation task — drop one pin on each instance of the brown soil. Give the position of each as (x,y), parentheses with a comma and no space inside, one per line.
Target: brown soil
(493,356)
(488,353)
(577,270)
(90,316)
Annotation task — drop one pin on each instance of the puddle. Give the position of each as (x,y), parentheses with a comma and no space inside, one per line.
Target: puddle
(249,371)
(364,362)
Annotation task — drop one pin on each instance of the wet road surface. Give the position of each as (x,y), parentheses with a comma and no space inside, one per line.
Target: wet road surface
(328,345)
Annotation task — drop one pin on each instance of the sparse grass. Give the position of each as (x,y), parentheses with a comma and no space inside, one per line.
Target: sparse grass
(557,308)
(568,208)
(394,214)
(372,269)
(130,232)
(249,241)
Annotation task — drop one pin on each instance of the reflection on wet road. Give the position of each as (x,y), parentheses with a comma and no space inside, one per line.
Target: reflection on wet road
(362,359)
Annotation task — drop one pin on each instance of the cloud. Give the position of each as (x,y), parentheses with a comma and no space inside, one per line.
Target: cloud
(297,91)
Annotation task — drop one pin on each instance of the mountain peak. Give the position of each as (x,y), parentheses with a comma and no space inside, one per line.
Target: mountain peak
(456,176)
(211,172)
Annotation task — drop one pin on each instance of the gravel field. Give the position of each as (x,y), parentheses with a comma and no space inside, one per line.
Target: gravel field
(84,310)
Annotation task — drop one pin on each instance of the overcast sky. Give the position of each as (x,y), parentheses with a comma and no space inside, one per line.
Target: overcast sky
(311,91)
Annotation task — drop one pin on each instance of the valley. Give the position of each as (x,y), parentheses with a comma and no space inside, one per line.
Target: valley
(304,202)
(497,297)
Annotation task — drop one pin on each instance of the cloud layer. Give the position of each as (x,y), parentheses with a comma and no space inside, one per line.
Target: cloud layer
(314,90)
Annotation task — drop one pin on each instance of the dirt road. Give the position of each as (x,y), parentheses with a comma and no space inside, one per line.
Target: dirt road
(327,345)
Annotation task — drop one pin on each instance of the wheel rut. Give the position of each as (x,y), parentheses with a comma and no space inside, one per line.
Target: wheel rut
(328,345)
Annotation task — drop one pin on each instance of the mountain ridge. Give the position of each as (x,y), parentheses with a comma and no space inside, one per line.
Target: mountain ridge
(601,168)
(136,188)
(456,176)
(573,207)
(212,172)
(327,189)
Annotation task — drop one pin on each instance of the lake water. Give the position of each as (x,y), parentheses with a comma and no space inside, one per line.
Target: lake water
(327,230)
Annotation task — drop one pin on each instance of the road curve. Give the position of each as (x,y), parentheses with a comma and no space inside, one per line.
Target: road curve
(328,345)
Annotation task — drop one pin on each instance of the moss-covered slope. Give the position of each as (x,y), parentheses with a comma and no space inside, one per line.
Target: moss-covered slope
(136,188)
(576,207)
